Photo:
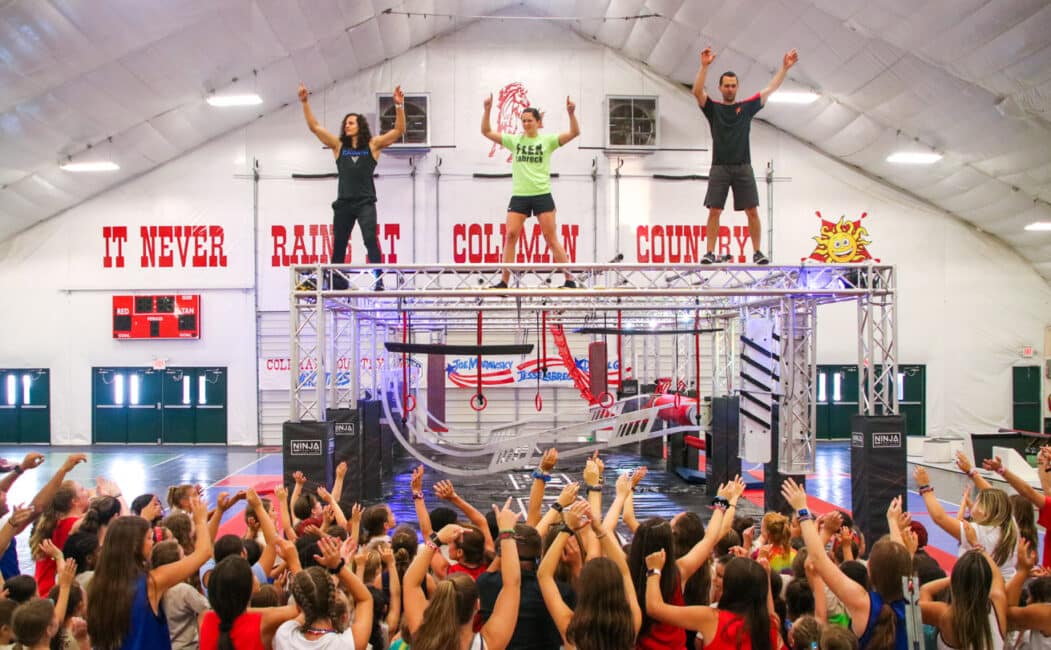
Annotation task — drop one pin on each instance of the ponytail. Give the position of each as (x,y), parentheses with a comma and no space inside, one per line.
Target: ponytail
(885,632)
(229,593)
(451,607)
(59,506)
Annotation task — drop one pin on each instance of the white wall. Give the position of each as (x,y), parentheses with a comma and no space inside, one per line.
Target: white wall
(967,303)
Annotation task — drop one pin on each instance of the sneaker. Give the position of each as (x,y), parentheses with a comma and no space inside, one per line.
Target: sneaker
(709,258)
(570,284)
(499,285)
(760,259)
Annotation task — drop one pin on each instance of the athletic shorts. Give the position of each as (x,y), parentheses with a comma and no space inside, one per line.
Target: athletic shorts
(532,205)
(741,178)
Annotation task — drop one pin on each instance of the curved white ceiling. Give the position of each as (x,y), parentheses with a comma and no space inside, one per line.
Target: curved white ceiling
(968,78)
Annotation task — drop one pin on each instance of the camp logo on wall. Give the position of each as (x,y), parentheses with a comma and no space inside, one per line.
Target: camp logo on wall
(510,102)
(841,242)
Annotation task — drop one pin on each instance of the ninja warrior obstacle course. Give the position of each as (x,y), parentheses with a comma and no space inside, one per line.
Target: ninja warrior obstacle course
(719,360)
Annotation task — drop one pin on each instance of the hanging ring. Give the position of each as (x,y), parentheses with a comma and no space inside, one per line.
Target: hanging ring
(478,402)
(604,402)
(410,403)
(538,402)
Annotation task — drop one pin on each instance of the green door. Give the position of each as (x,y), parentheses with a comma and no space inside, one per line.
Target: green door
(144,405)
(109,397)
(211,406)
(10,392)
(1025,397)
(34,413)
(911,384)
(177,399)
(843,400)
(823,424)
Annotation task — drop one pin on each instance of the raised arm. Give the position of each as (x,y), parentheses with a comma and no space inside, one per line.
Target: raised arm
(327,138)
(266,524)
(933,610)
(285,512)
(446,491)
(392,136)
(498,629)
(1043,467)
(694,617)
(18,521)
(541,475)
(964,463)
(47,493)
(736,490)
(300,479)
(32,460)
(394,611)
(167,576)
(567,497)
(594,470)
(695,558)
(487,129)
(66,572)
(414,600)
(630,520)
(418,502)
(934,508)
(337,486)
(1026,558)
(790,59)
(561,614)
(1017,482)
(853,595)
(612,550)
(331,559)
(333,505)
(574,128)
(615,508)
(222,503)
(707,57)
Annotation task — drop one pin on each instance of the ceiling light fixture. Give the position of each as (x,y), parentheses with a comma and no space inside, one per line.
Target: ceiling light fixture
(1039,225)
(235,100)
(793,97)
(914,158)
(94,166)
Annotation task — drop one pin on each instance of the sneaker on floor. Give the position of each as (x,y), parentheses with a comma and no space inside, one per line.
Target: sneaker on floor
(760,259)
(570,284)
(499,285)
(709,258)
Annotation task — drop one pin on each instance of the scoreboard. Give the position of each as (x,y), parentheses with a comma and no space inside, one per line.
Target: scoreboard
(167,316)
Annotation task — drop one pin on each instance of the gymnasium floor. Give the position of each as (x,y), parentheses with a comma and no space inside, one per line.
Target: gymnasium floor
(227,469)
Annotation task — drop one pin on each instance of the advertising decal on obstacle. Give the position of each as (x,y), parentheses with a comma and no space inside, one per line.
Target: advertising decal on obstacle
(686,243)
(890,440)
(483,243)
(462,372)
(273,372)
(306,447)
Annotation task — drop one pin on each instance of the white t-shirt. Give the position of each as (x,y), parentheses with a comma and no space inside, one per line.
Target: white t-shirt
(988,537)
(288,637)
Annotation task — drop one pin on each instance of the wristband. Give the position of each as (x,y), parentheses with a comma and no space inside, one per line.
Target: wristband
(924,489)
(557,507)
(803,512)
(431,545)
(972,472)
(18,470)
(807,517)
(417,496)
(436,540)
(541,476)
(1002,471)
(721,501)
(564,528)
(505,534)
(401,105)
(652,572)
(338,567)
(595,488)
(718,506)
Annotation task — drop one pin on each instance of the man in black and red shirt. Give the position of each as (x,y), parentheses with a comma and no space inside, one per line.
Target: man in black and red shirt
(730,121)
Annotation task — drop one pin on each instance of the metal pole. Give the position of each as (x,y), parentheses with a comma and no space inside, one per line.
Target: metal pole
(594,209)
(412,177)
(437,210)
(294,337)
(770,208)
(354,363)
(616,204)
(255,300)
(320,348)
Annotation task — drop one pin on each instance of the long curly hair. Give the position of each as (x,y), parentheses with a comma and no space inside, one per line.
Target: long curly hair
(112,590)
(364,133)
(602,617)
(59,507)
(315,593)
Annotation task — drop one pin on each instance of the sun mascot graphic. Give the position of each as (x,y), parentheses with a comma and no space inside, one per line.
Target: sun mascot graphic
(841,242)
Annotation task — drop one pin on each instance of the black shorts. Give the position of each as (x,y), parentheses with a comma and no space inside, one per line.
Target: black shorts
(532,205)
(741,178)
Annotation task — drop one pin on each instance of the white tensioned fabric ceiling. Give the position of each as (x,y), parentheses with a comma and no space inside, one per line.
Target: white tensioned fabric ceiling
(970,79)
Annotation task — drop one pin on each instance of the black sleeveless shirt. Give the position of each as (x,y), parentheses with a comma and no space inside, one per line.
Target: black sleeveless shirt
(355,175)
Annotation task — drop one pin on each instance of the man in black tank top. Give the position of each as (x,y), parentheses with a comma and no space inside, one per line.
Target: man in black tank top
(356,152)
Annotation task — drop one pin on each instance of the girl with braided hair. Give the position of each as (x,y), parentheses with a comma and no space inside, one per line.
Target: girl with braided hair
(315,591)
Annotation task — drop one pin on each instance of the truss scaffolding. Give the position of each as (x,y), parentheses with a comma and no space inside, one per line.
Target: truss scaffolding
(330,327)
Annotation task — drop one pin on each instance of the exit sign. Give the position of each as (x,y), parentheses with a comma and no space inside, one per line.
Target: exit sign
(1028,352)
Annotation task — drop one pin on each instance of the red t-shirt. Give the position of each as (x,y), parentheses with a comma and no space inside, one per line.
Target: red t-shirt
(474,573)
(1045,521)
(46,568)
(245,633)
(662,636)
(729,631)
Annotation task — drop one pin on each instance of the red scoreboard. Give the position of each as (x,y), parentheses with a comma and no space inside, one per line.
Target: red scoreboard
(168,316)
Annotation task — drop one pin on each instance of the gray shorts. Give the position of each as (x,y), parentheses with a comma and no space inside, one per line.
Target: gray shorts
(741,178)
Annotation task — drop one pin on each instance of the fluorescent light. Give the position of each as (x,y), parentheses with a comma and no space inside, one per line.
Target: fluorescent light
(96,166)
(914,158)
(235,100)
(1039,225)
(793,97)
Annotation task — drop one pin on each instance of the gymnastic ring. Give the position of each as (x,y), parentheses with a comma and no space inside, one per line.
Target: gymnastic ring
(538,402)
(603,402)
(410,403)
(478,402)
